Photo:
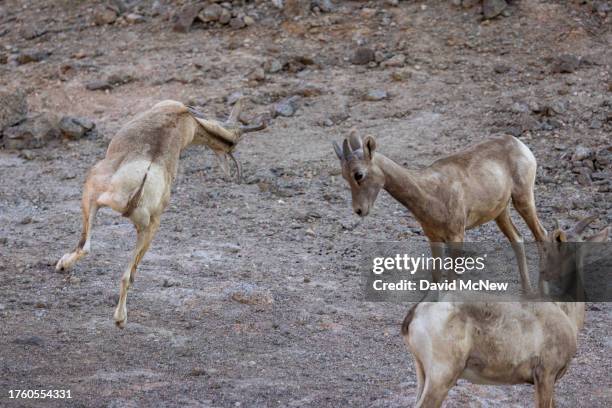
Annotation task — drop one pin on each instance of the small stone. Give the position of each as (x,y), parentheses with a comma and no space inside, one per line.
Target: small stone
(28,56)
(133,18)
(296,8)
(379,56)
(211,13)
(401,75)
(249,21)
(250,294)
(197,372)
(565,64)
(376,95)
(168,283)
(119,78)
(119,6)
(74,280)
(469,3)
(157,8)
(501,69)
(581,153)
(368,12)
(13,108)
(31,32)
(595,124)
(237,23)
(99,85)
(75,128)
(308,90)
(397,60)
(519,107)
(363,56)
(493,8)
(325,6)
(584,179)
(29,341)
(184,17)
(514,131)
(104,15)
(26,220)
(234,97)
(287,107)
(273,66)
(257,74)
(27,154)
(225,17)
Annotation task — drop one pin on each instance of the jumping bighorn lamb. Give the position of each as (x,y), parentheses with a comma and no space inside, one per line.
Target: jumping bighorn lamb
(498,342)
(454,193)
(136,175)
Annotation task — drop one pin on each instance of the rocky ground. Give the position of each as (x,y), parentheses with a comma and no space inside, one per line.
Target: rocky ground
(250,294)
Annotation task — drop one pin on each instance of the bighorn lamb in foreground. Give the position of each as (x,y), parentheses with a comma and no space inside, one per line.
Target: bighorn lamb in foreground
(454,193)
(497,342)
(136,175)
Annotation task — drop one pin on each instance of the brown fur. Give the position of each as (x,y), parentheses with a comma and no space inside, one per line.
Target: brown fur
(494,342)
(453,194)
(136,175)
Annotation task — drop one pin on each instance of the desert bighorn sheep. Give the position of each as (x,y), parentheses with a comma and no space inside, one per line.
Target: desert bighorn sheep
(454,193)
(136,175)
(497,342)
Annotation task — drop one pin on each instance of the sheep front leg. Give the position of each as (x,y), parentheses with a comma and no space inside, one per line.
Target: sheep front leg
(144,237)
(437,251)
(89,207)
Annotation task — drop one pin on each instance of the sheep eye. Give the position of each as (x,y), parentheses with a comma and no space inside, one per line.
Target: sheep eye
(359,176)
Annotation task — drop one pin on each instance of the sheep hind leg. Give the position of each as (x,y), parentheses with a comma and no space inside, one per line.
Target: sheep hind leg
(435,390)
(145,233)
(504,222)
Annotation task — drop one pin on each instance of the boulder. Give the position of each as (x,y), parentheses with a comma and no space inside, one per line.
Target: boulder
(75,128)
(13,108)
(184,17)
(34,132)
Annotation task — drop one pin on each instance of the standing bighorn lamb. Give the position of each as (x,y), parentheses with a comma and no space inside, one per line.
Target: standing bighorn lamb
(498,342)
(454,193)
(136,175)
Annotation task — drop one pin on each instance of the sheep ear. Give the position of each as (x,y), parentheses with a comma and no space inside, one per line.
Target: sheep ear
(369,146)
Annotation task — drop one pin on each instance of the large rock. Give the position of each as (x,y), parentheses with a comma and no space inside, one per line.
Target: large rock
(287,107)
(294,8)
(75,128)
(493,8)
(13,108)
(183,18)
(376,95)
(27,56)
(362,56)
(211,13)
(565,64)
(32,133)
(104,15)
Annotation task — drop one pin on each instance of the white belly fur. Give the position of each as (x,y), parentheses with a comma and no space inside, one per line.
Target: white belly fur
(126,181)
